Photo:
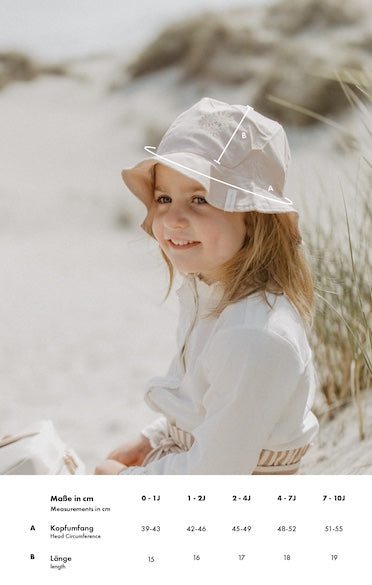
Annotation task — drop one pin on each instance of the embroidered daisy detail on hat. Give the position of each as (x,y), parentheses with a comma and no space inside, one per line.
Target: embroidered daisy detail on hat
(215,122)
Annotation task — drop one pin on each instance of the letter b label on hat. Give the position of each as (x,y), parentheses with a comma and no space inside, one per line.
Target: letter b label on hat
(218,161)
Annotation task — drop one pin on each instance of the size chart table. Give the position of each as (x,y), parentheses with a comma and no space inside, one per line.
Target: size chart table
(176,528)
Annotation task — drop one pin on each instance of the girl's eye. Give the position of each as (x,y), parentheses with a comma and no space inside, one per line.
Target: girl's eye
(163,199)
(200,200)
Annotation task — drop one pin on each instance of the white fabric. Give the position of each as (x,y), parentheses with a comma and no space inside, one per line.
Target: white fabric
(248,384)
(38,450)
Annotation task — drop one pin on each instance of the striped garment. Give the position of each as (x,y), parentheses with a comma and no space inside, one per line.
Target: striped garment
(269,462)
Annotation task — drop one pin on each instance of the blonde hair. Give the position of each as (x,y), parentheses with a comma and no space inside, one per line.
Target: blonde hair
(271,260)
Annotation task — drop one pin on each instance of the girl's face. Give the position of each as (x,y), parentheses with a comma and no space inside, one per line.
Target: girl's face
(196,237)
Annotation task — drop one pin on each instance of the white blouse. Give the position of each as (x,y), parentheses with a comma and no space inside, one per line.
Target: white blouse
(239,383)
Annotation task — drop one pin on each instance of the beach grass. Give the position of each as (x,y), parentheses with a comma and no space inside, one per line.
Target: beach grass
(341,333)
(341,254)
(17,66)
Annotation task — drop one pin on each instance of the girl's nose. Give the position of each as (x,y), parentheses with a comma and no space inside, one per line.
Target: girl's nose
(175,217)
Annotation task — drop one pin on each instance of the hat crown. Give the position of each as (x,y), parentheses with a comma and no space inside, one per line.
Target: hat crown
(234,135)
(239,156)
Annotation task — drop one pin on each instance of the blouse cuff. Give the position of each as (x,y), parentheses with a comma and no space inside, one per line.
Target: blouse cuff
(155,431)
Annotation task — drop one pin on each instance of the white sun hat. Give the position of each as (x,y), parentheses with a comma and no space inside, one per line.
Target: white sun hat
(239,156)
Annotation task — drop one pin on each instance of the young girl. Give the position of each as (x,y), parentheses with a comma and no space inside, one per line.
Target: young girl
(237,396)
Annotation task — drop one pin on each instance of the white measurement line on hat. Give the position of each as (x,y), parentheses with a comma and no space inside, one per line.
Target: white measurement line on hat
(151,150)
(233,134)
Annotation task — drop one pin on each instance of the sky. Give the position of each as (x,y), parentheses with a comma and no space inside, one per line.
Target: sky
(53,30)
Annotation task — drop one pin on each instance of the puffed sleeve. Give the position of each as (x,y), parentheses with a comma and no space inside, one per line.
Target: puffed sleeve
(252,375)
(156,430)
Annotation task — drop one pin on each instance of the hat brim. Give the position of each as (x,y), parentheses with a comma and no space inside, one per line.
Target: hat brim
(140,181)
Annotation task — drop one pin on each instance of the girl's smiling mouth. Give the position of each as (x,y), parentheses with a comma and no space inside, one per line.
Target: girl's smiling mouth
(182,244)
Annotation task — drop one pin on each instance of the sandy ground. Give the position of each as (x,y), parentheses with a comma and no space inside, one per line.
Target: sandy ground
(338,449)
(83,328)
(83,324)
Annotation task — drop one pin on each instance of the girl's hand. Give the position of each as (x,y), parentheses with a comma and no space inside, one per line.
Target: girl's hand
(131,452)
(109,467)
